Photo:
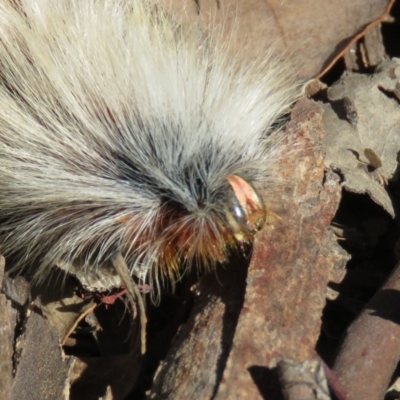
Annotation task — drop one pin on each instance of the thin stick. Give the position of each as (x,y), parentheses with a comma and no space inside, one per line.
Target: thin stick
(83,315)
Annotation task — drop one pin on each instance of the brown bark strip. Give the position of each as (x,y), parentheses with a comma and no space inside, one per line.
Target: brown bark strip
(287,278)
(233,339)
(371,349)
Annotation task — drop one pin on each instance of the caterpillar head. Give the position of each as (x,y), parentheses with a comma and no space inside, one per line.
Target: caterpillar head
(206,237)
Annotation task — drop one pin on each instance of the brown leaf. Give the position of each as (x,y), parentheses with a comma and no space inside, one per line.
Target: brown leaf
(303,29)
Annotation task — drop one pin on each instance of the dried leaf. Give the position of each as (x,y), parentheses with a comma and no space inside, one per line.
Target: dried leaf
(366,154)
(103,357)
(300,28)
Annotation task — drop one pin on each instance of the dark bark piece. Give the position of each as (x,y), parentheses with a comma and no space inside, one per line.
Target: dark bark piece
(372,344)
(6,340)
(233,340)
(95,378)
(42,371)
(116,367)
(367,53)
(197,358)
(17,290)
(374,49)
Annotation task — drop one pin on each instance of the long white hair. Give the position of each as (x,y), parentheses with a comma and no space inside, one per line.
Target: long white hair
(124,130)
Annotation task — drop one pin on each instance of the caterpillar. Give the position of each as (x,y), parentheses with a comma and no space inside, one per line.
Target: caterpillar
(123,130)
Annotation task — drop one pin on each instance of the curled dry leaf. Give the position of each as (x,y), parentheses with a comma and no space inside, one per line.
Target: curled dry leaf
(295,27)
(102,355)
(62,306)
(365,152)
(105,346)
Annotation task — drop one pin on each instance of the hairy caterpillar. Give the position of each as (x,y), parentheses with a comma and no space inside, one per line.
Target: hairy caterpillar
(122,130)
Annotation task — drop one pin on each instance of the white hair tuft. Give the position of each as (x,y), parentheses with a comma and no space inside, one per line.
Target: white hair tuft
(122,130)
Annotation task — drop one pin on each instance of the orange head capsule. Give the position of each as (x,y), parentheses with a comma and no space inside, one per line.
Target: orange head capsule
(247,213)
